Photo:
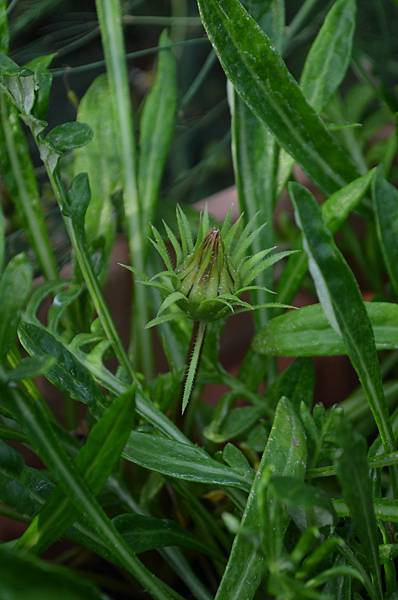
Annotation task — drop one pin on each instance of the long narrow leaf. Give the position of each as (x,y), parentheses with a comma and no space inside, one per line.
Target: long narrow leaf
(343,305)
(261,78)
(286,453)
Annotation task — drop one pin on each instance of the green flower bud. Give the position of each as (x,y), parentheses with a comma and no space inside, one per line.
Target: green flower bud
(204,276)
(210,274)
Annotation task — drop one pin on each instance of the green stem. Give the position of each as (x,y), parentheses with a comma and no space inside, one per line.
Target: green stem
(110,20)
(90,278)
(300,18)
(198,337)
(162,21)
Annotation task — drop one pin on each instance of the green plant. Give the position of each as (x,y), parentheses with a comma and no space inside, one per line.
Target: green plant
(265,494)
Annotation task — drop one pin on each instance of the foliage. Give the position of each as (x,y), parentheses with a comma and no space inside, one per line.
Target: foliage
(275,491)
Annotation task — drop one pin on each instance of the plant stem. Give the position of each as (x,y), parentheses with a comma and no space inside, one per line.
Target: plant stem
(300,18)
(198,336)
(91,279)
(26,195)
(110,20)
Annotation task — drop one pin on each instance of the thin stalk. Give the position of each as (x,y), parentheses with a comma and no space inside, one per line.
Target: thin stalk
(300,18)
(162,21)
(110,20)
(389,459)
(91,280)
(199,79)
(198,337)
(99,64)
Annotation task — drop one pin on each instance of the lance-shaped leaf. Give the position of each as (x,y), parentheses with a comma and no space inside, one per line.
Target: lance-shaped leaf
(342,303)
(325,66)
(182,461)
(335,210)
(261,78)
(286,454)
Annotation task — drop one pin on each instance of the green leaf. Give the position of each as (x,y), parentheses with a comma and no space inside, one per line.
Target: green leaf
(33,419)
(94,462)
(330,54)
(261,78)
(15,284)
(79,197)
(100,159)
(353,473)
(270,15)
(343,305)
(325,66)
(307,332)
(335,211)
(183,461)
(157,128)
(285,453)
(68,136)
(385,200)
(144,533)
(67,374)
(41,579)
(39,66)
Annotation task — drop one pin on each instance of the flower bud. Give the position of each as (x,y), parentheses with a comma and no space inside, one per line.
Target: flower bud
(204,276)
